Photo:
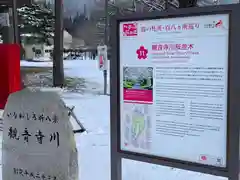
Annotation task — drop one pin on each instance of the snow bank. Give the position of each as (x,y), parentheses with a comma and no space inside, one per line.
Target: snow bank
(87,69)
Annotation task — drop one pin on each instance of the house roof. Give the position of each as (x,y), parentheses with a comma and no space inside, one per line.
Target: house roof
(67,38)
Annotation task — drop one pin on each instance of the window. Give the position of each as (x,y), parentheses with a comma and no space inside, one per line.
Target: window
(38,51)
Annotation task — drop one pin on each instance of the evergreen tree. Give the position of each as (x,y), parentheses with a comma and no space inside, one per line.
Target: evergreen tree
(37,23)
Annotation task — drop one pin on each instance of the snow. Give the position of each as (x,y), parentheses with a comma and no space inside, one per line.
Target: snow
(41,59)
(87,69)
(93,112)
(94,147)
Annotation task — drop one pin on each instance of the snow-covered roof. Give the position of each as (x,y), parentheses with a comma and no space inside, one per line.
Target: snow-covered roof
(29,35)
(67,38)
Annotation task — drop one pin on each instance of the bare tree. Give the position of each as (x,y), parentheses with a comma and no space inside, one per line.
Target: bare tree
(92,31)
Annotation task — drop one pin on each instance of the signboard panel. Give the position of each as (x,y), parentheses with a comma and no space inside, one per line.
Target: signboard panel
(173,88)
(102,57)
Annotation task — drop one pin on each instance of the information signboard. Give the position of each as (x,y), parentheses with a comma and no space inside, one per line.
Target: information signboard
(174,86)
(102,57)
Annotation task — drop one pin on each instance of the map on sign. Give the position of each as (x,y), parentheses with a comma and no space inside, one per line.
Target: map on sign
(137,126)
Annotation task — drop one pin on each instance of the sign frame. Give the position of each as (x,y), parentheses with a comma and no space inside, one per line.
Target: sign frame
(148,98)
(233,97)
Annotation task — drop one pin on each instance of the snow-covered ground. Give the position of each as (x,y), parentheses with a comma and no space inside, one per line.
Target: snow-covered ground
(94,146)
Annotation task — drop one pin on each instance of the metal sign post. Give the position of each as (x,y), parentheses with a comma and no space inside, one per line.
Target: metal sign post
(166,73)
(15,22)
(103,63)
(106,41)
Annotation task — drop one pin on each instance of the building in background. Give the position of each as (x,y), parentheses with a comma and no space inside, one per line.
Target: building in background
(43,52)
(84,20)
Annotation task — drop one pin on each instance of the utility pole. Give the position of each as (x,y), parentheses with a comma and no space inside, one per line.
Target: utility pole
(15,22)
(58,71)
(106,43)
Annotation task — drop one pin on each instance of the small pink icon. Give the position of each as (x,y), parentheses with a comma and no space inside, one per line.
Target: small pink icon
(126,144)
(204,158)
(130,29)
(219,23)
(142,53)
(100,61)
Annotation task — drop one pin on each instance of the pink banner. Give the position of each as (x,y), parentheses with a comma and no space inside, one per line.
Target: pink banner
(138,95)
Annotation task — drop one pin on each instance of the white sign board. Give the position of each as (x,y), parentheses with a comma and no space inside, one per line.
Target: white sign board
(38,141)
(102,57)
(173,78)
(4,19)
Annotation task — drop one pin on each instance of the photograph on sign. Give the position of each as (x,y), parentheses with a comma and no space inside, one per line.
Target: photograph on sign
(140,80)
(173,80)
